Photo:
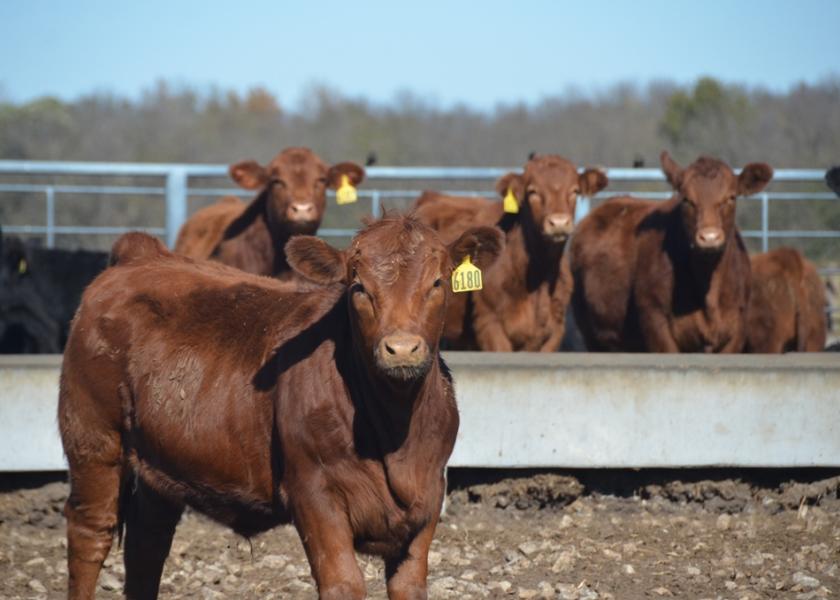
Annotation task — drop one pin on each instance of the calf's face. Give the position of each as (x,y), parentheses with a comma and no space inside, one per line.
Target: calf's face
(547,193)
(296,182)
(707,189)
(397,273)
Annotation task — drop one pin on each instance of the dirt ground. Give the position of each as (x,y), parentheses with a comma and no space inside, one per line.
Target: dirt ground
(544,535)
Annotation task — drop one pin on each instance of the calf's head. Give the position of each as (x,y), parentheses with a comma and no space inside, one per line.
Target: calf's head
(707,189)
(26,325)
(397,274)
(547,192)
(294,186)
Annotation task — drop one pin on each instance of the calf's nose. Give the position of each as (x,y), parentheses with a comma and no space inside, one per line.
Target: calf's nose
(402,349)
(301,211)
(710,237)
(402,345)
(558,223)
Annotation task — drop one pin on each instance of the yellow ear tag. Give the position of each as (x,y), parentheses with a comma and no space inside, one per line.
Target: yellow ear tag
(346,193)
(510,203)
(22,266)
(466,277)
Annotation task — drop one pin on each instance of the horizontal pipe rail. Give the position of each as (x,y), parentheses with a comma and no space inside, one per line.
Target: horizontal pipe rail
(177,191)
(199,170)
(80,230)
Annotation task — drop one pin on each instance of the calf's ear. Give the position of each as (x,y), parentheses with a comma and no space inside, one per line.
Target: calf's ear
(316,260)
(249,174)
(754,178)
(482,244)
(513,182)
(673,171)
(592,181)
(354,172)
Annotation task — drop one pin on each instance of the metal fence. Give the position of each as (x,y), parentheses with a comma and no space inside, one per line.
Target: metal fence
(176,191)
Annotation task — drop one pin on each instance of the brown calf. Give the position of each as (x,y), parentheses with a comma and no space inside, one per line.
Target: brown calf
(291,201)
(787,304)
(523,303)
(191,383)
(202,232)
(671,276)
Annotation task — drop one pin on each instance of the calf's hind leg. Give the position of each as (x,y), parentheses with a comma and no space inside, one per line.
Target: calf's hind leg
(149,528)
(91,512)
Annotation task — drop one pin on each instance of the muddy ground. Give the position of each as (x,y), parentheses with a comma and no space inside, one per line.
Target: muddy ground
(547,535)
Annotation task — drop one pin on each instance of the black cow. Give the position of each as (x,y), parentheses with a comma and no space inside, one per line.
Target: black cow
(832,179)
(40,289)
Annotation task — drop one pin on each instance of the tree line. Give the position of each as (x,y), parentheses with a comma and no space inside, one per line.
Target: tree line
(617,127)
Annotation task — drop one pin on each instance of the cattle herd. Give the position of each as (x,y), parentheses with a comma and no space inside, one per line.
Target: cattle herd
(261,376)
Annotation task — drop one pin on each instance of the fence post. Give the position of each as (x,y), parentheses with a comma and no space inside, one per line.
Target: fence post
(765,221)
(582,208)
(375,205)
(176,203)
(50,217)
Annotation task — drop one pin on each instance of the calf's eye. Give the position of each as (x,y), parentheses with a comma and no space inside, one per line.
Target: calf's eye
(438,282)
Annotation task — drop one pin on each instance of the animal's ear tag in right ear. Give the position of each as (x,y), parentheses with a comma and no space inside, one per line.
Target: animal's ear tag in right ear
(346,193)
(466,277)
(22,266)
(510,204)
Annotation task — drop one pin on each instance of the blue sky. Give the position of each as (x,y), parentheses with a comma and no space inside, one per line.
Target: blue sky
(479,53)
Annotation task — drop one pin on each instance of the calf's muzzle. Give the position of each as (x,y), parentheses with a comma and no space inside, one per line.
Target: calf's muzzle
(558,225)
(301,212)
(710,238)
(402,355)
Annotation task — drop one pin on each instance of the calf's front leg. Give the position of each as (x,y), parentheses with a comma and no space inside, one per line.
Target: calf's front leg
(656,331)
(407,573)
(328,541)
(490,334)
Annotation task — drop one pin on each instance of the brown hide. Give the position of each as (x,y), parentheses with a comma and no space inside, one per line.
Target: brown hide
(787,304)
(671,276)
(191,383)
(202,232)
(523,303)
(136,247)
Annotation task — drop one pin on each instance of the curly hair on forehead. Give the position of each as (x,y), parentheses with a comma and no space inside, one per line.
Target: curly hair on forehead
(388,244)
(402,228)
(708,167)
(549,161)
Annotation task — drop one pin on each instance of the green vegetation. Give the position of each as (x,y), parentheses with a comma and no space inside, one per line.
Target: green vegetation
(800,128)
